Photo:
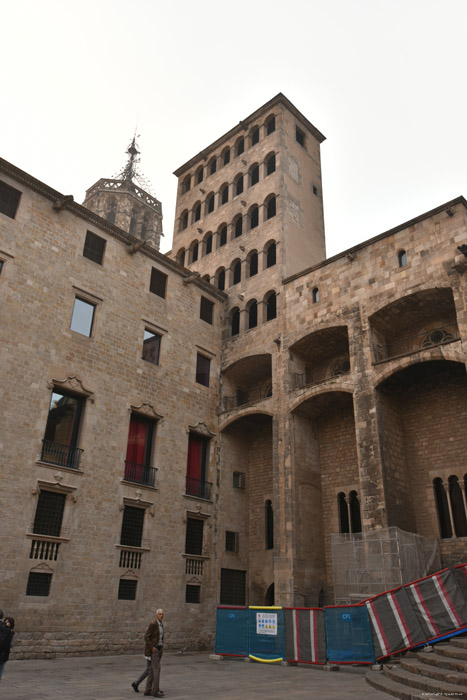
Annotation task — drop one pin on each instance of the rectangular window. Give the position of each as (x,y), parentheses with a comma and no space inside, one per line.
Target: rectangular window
(300,136)
(158,284)
(138,460)
(62,430)
(232,587)
(206,310)
(151,347)
(132,527)
(38,584)
(192,594)
(9,199)
(82,317)
(196,469)
(127,589)
(49,513)
(231,541)
(202,369)
(239,479)
(94,247)
(2,262)
(194,536)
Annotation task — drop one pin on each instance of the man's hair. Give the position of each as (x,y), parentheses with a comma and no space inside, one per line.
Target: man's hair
(159,610)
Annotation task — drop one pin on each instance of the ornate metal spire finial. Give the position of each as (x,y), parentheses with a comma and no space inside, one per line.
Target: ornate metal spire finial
(130,172)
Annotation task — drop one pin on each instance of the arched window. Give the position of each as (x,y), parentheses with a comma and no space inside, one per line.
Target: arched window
(210,203)
(402,258)
(270,164)
(235,321)
(133,222)
(224,194)
(271,255)
(220,279)
(183,220)
(208,244)
(238,224)
(226,156)
(343,513)
(254,174)
(254,216)
(253,264)
(442,509)
(271,208)
(457,507)
(269,523)
(212,165)
(271,306)
(197,211)
(112,212)
(194,252)
(222,236)
(236,268)
(240,146)
(254,135)
(181,257)
(315,295)
(199,175)
(253,314)
(355,518)
(239,185)
(186,184)
(271,125)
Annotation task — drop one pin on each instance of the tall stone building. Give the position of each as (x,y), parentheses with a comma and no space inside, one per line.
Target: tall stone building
(191,429)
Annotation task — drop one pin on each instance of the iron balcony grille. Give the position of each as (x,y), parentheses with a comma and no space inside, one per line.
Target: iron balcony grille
(140,473)
(320,374)
(196,487)
(243,397)
(194,567)
(44,550)
(62,455)
(415,343)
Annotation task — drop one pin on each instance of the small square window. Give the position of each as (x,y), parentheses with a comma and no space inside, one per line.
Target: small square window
(300,136)
(38,584)
(231,541)
(9,200)
(206,310)
(202,369)
(158,284)
(151,347)
(239,480)
(82,317)
(94,247)
(192,594)
(127,589)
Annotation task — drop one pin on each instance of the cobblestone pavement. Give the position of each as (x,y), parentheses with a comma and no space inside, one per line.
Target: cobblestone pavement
(189,676)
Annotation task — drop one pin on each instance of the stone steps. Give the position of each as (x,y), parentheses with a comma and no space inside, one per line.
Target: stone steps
(441,672)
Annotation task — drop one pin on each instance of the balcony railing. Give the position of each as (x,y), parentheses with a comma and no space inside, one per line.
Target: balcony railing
(415,343)
(130,559)
(194,566)
(320,374)
(195,487)
(41,549)
(62,455)
(140,473)
(243,397)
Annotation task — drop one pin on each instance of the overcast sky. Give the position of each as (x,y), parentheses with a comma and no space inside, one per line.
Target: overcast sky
(384,80)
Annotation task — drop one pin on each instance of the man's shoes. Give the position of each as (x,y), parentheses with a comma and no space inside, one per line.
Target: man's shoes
(159,694)
(135,687)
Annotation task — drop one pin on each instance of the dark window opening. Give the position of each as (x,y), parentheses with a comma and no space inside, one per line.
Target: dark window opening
(239,227)
(271,164)
(213,166)
(254,217)
(2,262)
(221,280)
(202,369)
(315,295)
(232,587)
(82,318)
(271,255)
(457,507)
(300,136)
(237,273)
(62,430)
(192,594)
(208,244)
(344,525)
(9,200)
(38,584)
(223,236)
(253,315)
(49,513)
(269,525)
(210,204)
(151,347)
(127,589)
(442,509)
(253,264)
(158,283)
(271,208)
(239,185)
(132,527)
(271,307)
(199,176)
(271,125)
(184,221)
(255,136)
(315,190)
(194,252)
(111,213)
(138,460)
(227,156)
(197,460)
(239,479)
(186,186)
(197,212)
(181,258)
(402,258)
(206,310)
(194,536)
(254,175)
(355,517)
(94,247)
(231,541)
(240,146)
(225,195)
(235,322)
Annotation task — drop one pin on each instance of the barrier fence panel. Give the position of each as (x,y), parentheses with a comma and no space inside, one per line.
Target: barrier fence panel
(305,635)
(231,631)
(394,624)
(266,633)
(348,634)
(460,574)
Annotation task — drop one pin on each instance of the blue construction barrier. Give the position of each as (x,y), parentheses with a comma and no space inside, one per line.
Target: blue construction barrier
(348,635)
(266,633)
(231,631)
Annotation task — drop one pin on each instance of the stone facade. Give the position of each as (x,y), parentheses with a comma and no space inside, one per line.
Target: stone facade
(344,394)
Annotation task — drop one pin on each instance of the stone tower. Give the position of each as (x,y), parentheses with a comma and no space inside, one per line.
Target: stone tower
(123,202)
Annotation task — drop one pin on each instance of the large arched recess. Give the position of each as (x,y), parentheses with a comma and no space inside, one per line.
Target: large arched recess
(422,418)
(325,464)
(246,381)
(247,448)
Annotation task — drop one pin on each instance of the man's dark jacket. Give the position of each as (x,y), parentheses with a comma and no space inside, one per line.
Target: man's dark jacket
(151,638)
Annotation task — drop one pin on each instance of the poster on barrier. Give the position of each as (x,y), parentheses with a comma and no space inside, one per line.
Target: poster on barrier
(266,633)
(305,635)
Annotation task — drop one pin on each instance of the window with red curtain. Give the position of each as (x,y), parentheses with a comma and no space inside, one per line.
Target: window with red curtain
(138,451)
(196,464)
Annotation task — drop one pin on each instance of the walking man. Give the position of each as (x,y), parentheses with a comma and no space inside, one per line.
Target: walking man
(154,643)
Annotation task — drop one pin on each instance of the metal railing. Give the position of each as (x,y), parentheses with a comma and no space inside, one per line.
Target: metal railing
(243,397)
(140,473)
(196,487)
(194,567)
(320,374)
(415,343)
(62,455)
(41,549)
(130,559)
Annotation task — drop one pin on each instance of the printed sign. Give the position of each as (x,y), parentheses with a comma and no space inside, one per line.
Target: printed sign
(266,623)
